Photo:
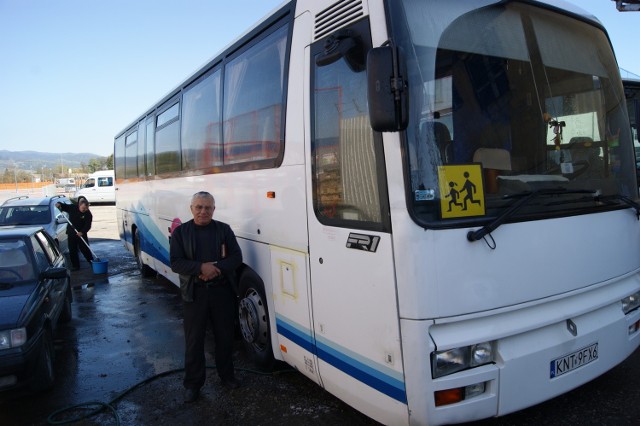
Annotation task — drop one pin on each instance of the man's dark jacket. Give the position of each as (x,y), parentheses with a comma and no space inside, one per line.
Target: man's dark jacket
(80,221)
(182,255)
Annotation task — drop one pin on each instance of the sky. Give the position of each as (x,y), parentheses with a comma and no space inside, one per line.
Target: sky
(73,73)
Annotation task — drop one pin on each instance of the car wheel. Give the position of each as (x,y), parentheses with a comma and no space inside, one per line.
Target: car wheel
(43,377)
(66,315)
(254,320)
(145,270)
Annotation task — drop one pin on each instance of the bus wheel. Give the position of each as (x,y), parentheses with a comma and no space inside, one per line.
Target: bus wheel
(254,321)
(145,270)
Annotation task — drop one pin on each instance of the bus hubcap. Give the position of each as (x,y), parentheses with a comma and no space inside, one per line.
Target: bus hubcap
(252,323)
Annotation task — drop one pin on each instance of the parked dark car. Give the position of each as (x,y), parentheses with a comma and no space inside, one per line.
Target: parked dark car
(38,211)
(35,295)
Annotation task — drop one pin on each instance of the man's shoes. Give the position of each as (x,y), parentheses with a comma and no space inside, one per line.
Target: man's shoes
(231,384)
(191,395)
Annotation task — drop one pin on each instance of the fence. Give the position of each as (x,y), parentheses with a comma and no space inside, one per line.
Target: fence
(38,189)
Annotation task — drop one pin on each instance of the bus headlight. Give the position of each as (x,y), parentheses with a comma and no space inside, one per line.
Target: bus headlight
(451,361)
(630,303)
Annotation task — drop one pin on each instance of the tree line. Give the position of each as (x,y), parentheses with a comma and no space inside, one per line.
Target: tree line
(49,174)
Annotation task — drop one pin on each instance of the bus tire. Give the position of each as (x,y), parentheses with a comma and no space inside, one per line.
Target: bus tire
(253,317)
(145,270)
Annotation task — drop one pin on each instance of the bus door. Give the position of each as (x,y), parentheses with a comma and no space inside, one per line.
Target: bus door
(353,295)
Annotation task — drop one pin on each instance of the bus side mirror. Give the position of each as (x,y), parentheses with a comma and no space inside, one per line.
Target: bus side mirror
(343,44)
(387,89)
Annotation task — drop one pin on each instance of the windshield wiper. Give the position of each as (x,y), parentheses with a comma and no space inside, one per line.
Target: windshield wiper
(626,200)
(526,197)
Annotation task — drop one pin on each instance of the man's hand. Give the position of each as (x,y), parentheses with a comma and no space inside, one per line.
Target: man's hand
(209,271)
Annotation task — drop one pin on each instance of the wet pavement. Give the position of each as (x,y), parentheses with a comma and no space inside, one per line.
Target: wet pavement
(126,337)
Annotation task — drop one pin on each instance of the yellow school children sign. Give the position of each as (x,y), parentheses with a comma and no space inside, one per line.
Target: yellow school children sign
(461,191)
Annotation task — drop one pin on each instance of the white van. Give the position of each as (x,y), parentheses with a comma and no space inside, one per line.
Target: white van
(98,188)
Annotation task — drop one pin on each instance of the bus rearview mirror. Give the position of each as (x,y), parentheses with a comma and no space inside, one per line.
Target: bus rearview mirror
(387,84)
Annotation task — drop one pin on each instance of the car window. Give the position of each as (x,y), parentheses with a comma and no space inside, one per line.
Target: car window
(40,215)
(16,264)
(4,212)
(15,216)
(105,181)
(43,259)
(25,215)
(48,246)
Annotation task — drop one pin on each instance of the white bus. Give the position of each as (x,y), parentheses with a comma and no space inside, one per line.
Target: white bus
(436,200)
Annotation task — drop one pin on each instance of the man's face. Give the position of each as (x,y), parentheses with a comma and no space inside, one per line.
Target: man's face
(202,211)
(83,208)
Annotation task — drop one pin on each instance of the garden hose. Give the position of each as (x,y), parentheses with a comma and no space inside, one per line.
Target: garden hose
(96,407)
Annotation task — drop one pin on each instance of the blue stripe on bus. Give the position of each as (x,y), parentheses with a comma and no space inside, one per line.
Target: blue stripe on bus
(296,334)
(150,236)
(346,361)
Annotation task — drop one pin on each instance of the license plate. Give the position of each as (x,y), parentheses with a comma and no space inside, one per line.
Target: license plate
(574,360)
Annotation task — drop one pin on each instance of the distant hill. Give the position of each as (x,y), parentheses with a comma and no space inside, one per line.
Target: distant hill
(35,161)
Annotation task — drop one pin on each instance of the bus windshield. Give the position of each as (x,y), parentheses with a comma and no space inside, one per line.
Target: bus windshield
(506,100)
(632,94)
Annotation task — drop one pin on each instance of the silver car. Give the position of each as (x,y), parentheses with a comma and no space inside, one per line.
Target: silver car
(37,211)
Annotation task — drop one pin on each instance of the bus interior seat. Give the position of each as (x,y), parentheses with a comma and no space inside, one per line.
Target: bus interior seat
(495,161)
(581,148)
(586,156)
(493,158)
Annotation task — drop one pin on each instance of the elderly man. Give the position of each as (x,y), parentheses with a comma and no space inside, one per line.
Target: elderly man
(205,253)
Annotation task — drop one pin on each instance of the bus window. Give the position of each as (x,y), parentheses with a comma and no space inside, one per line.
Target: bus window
(140,153)
(168,140)
(252,110)
(119,156)
(131,156)
(201,145)
(150,147)
(632,94)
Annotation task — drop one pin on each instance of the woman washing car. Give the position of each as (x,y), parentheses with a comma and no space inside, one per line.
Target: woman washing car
(80,219)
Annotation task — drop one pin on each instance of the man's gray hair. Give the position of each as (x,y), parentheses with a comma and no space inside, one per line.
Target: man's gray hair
(203,194)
